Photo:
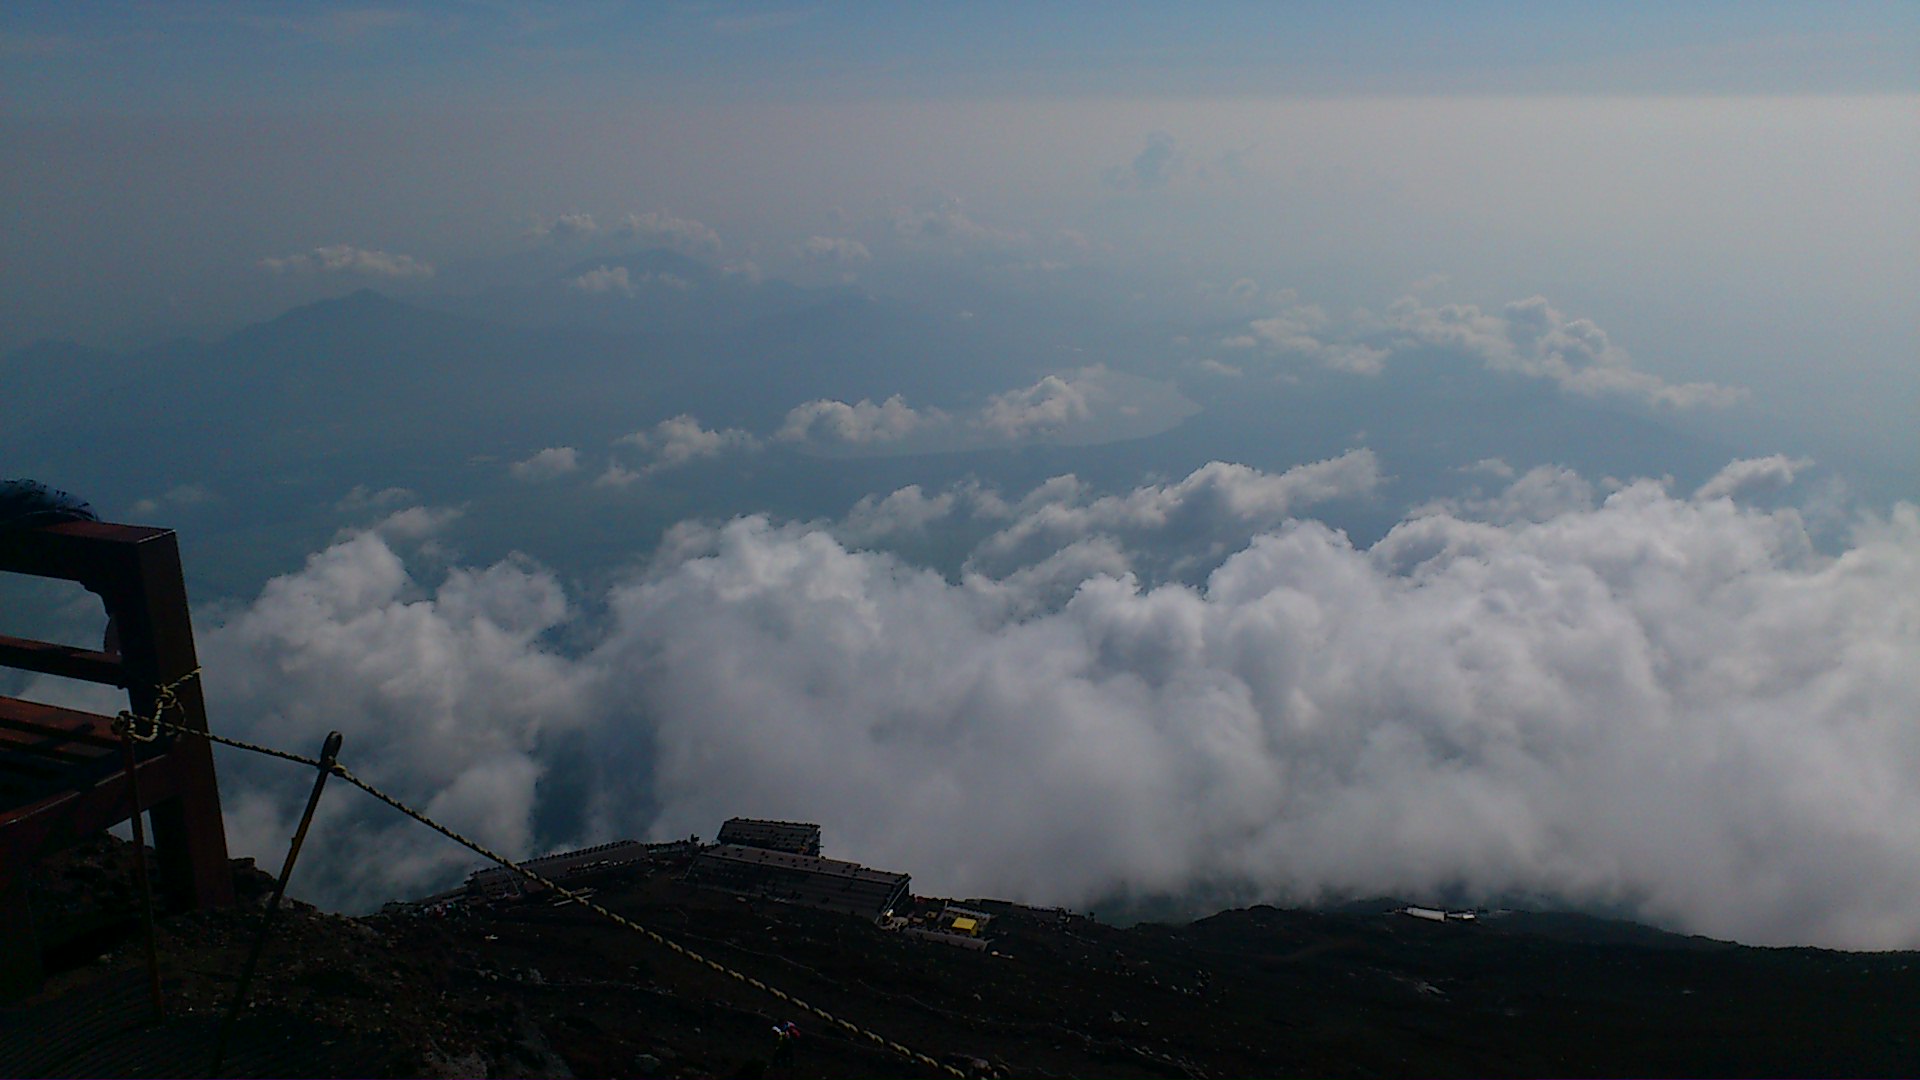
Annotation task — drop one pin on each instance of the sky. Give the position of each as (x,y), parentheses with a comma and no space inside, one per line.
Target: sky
(1729,181)
(1247,452)
(224,58)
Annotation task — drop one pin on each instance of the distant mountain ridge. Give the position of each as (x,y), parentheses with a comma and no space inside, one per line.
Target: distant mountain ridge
(280,418)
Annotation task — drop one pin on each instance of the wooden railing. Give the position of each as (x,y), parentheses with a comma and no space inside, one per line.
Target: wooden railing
(63,773)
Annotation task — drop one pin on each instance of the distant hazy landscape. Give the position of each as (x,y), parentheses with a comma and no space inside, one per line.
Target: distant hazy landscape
(1493,488)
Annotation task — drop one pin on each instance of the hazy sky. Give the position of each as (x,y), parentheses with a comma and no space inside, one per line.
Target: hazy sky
(226,57)
(1684,698)
(1728,188)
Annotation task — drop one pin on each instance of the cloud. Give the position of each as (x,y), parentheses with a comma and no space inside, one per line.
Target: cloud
(1161,163)
(1215,367)
(863,423)
(1081,403)
(1292,330)
(911,512)
(345,259)
(684,235)
(548,464)
(1529,337)
(364,498)
(1215,508)
(609,280)
(1601,708)
(183,495)
(603,279)
(415,522)
(1668,706)
(444,696)
(1295,330)
(907,510)
(1749,475)
(944,219)
(1088,403)
(617,475)
(745,269)
(1043,408)
(1152,168)
(680,440)
(574,226)
(1354,359)
(834,250)
(1540,494)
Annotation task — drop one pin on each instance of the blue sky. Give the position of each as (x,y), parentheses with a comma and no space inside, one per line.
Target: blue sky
(196,57)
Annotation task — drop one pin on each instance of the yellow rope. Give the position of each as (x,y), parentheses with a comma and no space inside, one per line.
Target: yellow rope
(165,694)
(129,724)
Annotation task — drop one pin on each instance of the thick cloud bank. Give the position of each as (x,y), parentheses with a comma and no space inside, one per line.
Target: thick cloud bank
(1674,706)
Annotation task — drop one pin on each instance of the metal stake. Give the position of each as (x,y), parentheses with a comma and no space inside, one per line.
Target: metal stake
(329,753)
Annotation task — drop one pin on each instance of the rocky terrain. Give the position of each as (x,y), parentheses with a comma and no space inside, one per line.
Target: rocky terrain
(535,988)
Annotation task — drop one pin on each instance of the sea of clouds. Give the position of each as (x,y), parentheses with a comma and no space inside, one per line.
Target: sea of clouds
(1608,695)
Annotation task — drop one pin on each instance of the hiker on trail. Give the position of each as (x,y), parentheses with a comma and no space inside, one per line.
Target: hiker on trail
(785,1034)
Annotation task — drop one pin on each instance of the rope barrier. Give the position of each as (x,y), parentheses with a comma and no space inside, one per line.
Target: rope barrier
(124,724)
(128,725)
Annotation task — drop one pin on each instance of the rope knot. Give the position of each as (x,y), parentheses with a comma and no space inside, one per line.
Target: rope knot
(132,725)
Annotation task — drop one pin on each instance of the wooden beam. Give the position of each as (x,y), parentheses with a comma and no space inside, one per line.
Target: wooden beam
(70,724)
(66,661)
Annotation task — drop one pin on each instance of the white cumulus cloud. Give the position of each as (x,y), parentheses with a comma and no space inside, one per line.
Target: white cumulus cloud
(1530,337)
(682,439)
(346,259)
(1606,707)
(548,464)
(1526,337)
(1213,508)
(1654,703)
(834,250)
(443,695)
(574,226)
(1294,331)
(906,511)
(1043,408)
(602,280)
(1749,475)
(862,423)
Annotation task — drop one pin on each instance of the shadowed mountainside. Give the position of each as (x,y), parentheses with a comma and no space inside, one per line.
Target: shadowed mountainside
(534,989)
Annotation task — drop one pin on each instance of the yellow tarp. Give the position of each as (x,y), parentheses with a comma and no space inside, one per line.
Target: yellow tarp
(965,925)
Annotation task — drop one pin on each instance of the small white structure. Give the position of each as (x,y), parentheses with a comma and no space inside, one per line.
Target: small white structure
(1438,915)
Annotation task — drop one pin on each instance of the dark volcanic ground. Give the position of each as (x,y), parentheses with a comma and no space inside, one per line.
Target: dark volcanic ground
(534,989)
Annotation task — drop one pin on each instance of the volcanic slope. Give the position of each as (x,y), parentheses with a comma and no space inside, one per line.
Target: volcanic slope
(532,987)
